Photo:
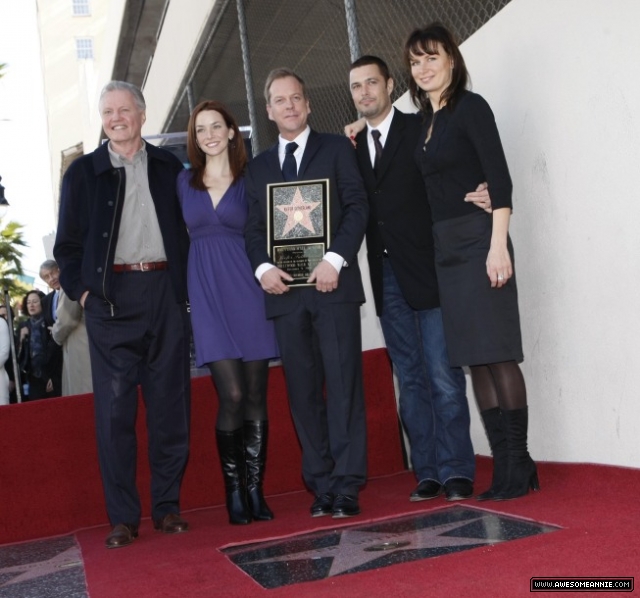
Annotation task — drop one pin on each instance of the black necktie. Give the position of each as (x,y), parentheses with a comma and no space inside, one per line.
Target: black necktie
(378,146)
(290,166)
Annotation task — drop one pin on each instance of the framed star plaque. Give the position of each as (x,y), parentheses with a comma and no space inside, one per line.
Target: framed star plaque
(298,224)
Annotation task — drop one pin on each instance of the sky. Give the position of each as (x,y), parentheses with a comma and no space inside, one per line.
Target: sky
(24,151)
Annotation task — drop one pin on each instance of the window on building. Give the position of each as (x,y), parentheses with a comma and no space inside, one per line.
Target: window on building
(80,8)
(84,48)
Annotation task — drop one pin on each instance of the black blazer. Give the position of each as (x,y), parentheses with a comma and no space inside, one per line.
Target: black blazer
(325,157)
(90,210)
(47,308)
(399,215)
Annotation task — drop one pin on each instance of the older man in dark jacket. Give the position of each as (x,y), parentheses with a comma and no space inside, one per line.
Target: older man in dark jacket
(122,249)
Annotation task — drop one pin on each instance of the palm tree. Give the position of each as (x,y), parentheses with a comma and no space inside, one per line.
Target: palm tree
(11,240)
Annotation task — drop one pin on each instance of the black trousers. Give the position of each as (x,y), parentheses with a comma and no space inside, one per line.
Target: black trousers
(321,346)
(146,342)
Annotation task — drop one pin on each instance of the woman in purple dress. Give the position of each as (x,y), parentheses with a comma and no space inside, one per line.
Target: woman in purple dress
(232,336)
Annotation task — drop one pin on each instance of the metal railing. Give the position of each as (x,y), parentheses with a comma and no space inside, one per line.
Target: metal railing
(318,39)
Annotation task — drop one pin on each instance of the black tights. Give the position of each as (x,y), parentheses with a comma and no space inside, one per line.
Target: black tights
(242,391)
(499,385)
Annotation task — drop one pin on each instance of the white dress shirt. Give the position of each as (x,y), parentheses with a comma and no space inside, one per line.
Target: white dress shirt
(383,127)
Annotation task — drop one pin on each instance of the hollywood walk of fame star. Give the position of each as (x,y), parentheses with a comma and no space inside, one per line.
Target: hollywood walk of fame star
(352,549)
(357,547)
(67,559)
(298,212)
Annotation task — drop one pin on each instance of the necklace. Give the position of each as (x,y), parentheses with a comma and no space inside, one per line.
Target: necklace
(429,131)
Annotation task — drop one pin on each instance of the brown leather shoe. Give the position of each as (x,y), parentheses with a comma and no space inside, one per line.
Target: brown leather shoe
(121,535)
(171,523)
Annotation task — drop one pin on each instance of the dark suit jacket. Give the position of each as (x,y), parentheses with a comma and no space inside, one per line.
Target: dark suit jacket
(54,351)
(399,216)
(47,308)
(325,157)
(90,210)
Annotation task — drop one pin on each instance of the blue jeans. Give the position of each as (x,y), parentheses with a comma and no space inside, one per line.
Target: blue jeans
(433,403)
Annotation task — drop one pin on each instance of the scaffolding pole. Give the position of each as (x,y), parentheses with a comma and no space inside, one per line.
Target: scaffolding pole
(248,79)
(352,29)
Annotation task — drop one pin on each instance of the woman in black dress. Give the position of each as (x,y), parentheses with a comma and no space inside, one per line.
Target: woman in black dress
(474,257)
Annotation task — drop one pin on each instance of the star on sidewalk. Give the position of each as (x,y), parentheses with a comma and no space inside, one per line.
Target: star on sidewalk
(67,559)
(357,548)
(298,212)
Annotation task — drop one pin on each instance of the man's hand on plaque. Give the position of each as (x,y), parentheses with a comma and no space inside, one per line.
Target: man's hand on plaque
(325,276)
(271,281)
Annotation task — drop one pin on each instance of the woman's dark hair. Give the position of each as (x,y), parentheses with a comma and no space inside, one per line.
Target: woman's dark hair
(425,41)
(236,149)
(26,297)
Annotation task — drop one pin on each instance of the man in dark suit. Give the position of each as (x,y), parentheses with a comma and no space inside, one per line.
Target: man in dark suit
(433,402)
(318,326)
(122,247)
(50,273)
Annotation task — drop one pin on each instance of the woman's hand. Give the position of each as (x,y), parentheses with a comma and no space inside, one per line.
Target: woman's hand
(352,129)
(480,197)
(499,267)
(49,385)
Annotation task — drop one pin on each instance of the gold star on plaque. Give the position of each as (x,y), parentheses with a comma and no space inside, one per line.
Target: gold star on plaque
(298,212)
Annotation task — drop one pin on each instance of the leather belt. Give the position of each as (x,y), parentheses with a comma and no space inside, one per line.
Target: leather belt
(141,267)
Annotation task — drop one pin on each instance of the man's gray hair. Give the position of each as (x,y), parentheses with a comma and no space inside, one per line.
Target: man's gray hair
(124,86)
(49,265)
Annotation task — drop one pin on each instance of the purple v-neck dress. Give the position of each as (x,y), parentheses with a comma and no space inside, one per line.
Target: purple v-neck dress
(227,303)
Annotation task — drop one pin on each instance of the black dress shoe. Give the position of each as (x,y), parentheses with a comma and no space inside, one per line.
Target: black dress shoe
(322,505)
(171,523)
(345,506)
(121,535)
(458,489)
(426,490)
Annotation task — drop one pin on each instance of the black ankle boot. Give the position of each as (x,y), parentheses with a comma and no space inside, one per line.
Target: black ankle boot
(255,446)
(523,474)
(234,472)
(494,428)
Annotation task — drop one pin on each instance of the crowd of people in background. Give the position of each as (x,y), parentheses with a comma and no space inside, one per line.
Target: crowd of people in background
(431,191)
(50,344)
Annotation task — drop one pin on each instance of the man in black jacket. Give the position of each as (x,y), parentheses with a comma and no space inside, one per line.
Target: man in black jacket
(433,402)
(50,273)
(122,248)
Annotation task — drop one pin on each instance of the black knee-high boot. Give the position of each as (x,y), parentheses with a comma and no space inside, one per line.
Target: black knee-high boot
(234,472)
(255,445)
(523,474)
(494,428)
